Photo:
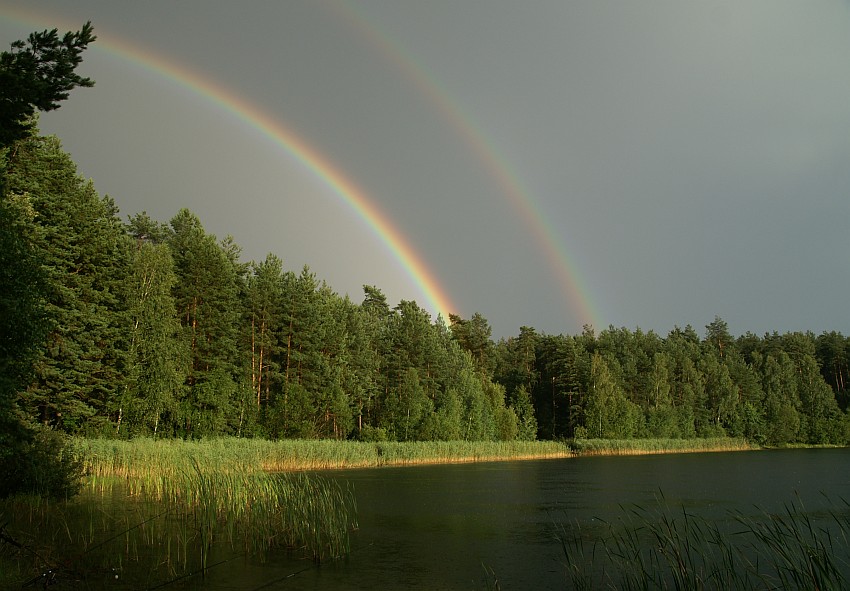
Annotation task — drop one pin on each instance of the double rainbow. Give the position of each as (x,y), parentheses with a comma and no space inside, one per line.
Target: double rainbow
(298,148)
(561,263)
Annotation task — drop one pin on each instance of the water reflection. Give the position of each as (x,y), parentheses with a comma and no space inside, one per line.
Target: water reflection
(434,526)
(441,527)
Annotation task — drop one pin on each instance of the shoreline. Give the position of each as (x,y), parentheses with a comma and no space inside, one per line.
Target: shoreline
(149,458)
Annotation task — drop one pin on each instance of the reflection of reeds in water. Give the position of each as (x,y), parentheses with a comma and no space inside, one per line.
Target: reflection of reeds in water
(172,516)
(667,548)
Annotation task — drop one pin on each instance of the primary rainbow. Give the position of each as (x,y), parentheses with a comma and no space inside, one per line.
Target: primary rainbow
(503,174)
(296,146)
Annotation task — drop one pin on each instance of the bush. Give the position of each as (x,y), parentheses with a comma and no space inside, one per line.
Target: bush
(41,462)
(373,434)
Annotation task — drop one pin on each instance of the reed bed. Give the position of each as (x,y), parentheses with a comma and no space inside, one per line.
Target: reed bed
(169,510)
(155,536)
(156,460)
(669,548)
(624,447)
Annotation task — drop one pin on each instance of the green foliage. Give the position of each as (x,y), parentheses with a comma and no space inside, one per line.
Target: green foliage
(39,461)
(206,295)
(608,414)
(200,345)
(475,336)
(23,319)
(82,252)
(159,329)
(524,411)
(157,357)
(34,75)
(37,75)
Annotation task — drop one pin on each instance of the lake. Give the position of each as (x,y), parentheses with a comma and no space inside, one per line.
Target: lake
(439,527)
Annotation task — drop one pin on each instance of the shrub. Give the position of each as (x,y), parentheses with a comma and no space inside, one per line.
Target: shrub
(41,462)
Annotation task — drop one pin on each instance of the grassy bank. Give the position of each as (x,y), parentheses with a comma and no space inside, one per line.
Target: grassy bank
(633,447)
(152,513)
(164,510)
(152,459)
(149,459)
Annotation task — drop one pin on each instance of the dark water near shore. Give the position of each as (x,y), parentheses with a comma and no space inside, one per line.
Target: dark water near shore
(438,527)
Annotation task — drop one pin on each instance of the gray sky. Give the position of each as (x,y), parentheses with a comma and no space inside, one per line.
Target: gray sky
(686,159)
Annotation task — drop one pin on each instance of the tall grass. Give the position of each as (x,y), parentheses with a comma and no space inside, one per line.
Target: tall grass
(153,460)
(670,548)
(609,447)
(170,510)
(187,527)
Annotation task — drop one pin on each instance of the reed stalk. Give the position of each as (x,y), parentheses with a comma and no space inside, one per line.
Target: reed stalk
(174,507)
(671,548)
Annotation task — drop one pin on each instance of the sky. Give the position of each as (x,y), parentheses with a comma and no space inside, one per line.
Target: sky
(549,163)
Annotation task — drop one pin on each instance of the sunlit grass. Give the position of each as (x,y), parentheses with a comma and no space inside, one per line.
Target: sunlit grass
(613,447)
(169,510)
(155,460)
(181,507)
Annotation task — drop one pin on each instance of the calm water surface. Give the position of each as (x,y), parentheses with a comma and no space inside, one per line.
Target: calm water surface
(438,527)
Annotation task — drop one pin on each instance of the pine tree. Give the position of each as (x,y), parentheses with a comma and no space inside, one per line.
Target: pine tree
(23,319)
(37,75)
(207,298)
(474,335)
(366,327)
(264,294)
(84,254)
(526,421)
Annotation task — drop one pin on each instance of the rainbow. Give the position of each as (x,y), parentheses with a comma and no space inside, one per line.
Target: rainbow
(503,174)
(296,146)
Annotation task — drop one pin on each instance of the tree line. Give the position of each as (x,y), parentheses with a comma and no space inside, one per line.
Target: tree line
(142,327)
(160,329)
(775,389)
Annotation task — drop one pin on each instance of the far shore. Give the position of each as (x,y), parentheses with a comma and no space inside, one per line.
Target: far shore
(576,449)
(146,458)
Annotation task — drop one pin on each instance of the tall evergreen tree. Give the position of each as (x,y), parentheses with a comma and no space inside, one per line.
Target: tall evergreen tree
(475,336)
(833,354)
(526,420)
(207,298)
(84,253)
(821,418)
(302,363)
(367,325)
(23,318)
(264,293)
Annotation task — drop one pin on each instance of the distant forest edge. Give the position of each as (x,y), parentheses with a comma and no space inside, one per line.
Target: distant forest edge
(159,329)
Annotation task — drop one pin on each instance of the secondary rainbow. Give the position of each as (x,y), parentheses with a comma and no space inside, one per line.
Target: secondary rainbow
(296,146)
(502,173)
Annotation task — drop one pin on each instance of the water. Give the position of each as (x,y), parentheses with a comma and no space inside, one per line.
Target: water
(439,527)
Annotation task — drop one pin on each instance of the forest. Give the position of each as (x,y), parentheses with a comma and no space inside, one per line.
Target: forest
(125,327)
(161,329)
